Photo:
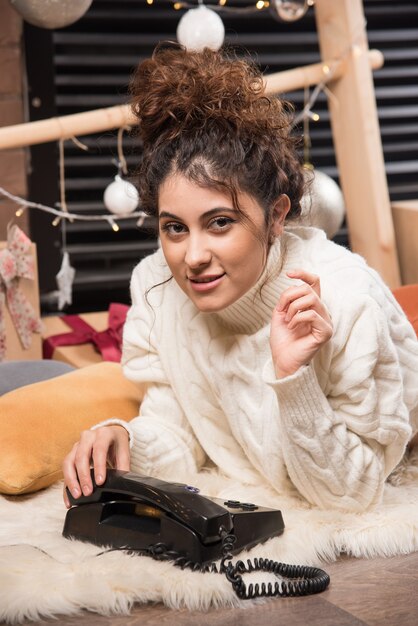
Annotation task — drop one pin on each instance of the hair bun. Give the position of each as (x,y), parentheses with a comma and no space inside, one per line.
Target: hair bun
(177,91)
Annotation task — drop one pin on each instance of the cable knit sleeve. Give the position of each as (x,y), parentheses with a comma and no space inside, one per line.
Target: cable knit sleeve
(163,441)
(343,437)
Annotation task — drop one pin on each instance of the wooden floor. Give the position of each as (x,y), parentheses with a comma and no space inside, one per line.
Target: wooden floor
(378,592)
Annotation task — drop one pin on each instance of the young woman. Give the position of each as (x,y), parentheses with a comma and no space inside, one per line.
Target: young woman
(266,350)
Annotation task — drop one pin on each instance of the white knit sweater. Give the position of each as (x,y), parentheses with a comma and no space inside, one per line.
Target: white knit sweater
(334,430)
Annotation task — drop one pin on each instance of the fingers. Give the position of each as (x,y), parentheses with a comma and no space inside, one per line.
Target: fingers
(70,474)
(302,303)
(320,328)
(302,297)
(65,496)
(310,279)
(112,443)
(94,447)
(82,460)
(76,466)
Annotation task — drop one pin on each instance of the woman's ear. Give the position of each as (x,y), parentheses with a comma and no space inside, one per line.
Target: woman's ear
(280,210)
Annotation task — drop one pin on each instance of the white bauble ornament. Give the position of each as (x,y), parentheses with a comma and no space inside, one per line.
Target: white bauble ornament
(51,13)
(201,28)
(323,204)
(290,10)
(121,197)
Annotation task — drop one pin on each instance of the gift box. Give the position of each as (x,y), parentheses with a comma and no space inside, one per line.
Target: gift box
(405,221)
(82,340)
(20,324)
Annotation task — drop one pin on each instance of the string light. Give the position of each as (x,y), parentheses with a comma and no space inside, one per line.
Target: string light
(62,215)
(222,7)
(20,211)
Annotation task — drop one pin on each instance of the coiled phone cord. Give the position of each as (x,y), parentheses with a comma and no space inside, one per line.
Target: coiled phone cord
(304,581)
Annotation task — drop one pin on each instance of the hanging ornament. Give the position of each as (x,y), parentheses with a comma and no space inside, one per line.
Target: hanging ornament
(201,28)
(65,279)
(323,204)
(51,13)
(290,10)
(121,197)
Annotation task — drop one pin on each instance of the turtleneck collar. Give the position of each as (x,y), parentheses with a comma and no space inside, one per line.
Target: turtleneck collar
(254,309)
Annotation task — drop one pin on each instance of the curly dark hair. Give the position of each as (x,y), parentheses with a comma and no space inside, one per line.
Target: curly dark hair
(205,115)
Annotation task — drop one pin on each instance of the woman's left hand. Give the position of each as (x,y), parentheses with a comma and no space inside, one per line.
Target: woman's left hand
(300,324)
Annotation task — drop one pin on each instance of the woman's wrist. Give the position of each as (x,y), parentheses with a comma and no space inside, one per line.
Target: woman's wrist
(285,372)
(114,421)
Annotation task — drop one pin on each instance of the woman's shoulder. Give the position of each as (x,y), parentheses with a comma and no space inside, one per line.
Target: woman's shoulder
(335,264)
(151,270)
(345,276)
(153,287)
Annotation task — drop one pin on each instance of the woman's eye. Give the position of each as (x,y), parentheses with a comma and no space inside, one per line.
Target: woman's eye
(174,228)
(221,223)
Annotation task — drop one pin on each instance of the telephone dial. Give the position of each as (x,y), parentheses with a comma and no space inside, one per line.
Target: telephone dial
(174,521)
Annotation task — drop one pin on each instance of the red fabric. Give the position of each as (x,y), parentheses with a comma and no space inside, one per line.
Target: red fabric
(108,342)
(407,296)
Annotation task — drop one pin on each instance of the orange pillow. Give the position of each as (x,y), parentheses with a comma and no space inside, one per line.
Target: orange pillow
(407,296)
(41,422)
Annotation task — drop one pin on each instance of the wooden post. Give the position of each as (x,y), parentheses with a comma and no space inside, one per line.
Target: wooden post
(342,31)
(13,163)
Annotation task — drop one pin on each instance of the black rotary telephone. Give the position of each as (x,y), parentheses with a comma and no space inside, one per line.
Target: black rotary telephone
(174,521)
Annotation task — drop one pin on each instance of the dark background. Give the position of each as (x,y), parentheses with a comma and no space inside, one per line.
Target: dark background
(88,66)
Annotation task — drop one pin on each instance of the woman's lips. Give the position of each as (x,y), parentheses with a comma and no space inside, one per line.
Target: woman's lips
(205,283)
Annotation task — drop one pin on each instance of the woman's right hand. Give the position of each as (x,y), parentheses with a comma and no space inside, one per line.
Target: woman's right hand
(107,443)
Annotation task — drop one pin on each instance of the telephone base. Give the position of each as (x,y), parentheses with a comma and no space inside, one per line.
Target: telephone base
(190,524)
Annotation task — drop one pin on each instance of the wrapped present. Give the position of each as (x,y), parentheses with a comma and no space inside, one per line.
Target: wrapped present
(405,221)
(94,336)
(20,324)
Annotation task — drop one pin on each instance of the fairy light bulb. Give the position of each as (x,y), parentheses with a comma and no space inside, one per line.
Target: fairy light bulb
(20,211)
(141,220)
(114,225)
(121,197)
(201,28)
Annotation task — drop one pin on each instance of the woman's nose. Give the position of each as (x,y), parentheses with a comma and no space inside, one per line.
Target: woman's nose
(197,252)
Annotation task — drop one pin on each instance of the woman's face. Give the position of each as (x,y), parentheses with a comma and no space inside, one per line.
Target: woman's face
(213,255)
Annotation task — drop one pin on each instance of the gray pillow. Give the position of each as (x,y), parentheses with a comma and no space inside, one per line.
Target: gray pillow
(14,374)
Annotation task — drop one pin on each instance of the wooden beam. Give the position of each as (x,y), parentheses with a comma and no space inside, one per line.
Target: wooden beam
(355,126)
(99,120)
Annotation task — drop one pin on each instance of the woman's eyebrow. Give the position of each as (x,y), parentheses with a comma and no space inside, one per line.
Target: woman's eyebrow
(214,211)
(167,214)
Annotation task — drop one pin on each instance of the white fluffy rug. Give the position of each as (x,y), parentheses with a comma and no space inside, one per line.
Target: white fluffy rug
(64,577)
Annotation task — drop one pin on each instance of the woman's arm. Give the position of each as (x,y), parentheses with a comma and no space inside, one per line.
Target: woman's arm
(160,439)
(163,440)
(342,439)
(164,444)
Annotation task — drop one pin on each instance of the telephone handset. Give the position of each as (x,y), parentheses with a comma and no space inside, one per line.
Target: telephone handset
(173,520)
